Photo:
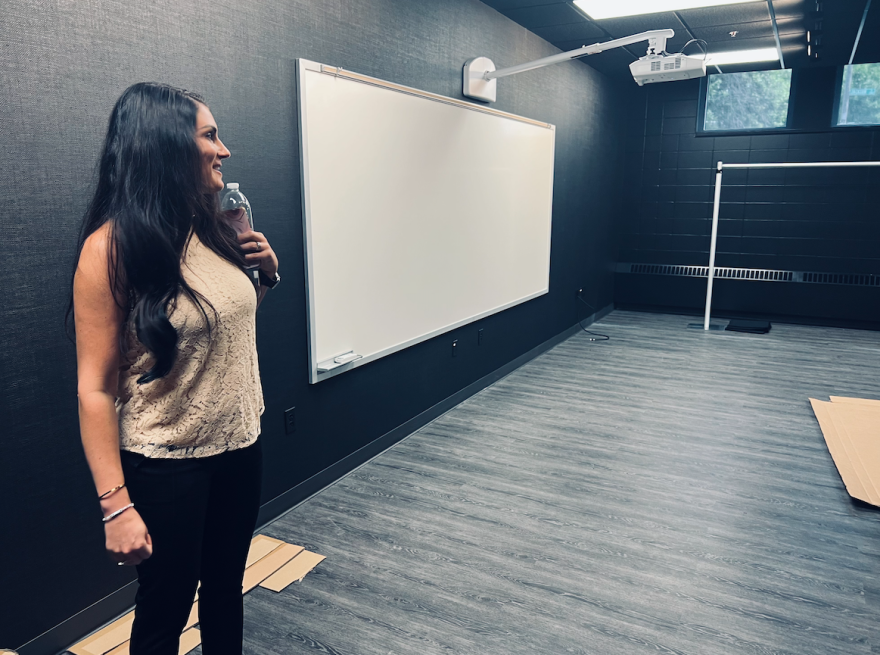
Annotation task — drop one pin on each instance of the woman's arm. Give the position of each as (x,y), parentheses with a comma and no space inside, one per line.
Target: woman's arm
(261,293)
(257,250)
(98,320)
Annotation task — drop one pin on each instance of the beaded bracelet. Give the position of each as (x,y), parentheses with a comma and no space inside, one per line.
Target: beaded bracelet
(117,513)
(104,495)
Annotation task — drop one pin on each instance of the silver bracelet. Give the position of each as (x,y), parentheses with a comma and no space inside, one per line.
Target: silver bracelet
(117,513)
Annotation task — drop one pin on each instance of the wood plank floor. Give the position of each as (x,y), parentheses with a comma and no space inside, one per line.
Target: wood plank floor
(668,491)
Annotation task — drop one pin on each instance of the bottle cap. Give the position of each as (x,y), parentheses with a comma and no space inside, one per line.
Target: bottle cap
(232,185)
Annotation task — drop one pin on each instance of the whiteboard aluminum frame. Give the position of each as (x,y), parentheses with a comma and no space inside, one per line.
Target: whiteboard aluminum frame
(304,65)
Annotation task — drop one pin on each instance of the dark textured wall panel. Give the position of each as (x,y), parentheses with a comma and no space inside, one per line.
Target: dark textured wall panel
(818,219)
(63,65)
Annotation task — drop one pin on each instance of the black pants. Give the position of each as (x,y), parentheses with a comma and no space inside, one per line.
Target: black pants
(201,514)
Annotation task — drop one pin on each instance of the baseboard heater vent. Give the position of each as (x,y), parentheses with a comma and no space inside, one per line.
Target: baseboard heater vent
(757,274)
(842,278)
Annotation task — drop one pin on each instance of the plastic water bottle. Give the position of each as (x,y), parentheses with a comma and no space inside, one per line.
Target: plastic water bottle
(237,209)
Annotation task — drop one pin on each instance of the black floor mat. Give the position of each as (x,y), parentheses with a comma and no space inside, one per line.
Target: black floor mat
(747,325)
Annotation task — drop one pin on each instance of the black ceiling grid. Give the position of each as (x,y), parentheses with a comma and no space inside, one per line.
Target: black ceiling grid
(566,27)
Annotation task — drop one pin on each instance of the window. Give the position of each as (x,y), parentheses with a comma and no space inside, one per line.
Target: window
(747,101)
(859,98)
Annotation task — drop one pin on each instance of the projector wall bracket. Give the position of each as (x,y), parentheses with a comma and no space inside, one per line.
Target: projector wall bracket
(479,74)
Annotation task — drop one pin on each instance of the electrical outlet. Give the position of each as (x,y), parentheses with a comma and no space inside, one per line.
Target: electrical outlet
(480,337)
(454,347)
(290,421)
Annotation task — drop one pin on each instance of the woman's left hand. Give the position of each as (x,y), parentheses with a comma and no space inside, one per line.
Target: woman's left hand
(258,251)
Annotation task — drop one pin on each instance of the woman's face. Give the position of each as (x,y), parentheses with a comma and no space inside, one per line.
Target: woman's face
(211,148)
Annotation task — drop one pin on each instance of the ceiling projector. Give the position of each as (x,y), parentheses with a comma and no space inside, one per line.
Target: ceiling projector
(479,76)
(664,67)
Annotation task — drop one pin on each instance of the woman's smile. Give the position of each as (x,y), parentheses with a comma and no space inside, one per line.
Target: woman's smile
(211,147)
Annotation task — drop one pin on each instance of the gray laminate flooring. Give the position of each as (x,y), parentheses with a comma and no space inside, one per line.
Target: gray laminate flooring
(668,491)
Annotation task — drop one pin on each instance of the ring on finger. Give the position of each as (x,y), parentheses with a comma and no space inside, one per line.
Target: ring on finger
(258,245)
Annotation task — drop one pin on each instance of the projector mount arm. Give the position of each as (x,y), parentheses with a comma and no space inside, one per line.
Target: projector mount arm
(480,74)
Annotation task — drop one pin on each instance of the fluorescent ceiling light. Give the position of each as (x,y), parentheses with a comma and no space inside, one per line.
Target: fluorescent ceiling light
(598,9)
(742,56)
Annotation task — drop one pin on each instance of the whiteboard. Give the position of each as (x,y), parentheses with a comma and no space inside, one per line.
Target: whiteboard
(421,214)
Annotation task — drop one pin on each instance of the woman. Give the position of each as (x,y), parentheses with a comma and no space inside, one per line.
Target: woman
(169,390)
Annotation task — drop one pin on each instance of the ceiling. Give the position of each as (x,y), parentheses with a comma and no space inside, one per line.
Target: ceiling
(835,26)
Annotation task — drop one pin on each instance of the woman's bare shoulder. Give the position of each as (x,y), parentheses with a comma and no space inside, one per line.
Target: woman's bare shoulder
(97,263)
(97,246)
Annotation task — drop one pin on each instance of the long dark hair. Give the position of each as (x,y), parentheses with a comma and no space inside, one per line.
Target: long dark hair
(150,188)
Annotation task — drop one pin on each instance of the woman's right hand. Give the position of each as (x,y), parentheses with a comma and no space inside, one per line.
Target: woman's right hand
(127,539)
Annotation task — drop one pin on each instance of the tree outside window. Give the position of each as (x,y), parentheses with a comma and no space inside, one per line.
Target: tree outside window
(748,101)
(859,95)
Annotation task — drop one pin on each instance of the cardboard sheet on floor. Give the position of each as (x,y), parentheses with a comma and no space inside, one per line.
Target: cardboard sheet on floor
(265,557)
(189,640)
(261,545)
(856,401)
(844,466)
(106,638)
(193,616)
(851,427)
(255,574)
(294,571)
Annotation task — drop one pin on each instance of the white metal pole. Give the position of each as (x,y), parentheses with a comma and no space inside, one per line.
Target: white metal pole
(712,246)
(810,164)
(714,242)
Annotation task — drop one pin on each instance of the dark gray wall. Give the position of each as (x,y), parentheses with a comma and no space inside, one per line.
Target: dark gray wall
(822,220)
(65,63)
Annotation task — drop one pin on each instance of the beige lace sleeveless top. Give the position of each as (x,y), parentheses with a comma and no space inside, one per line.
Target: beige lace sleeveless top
(211,400)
